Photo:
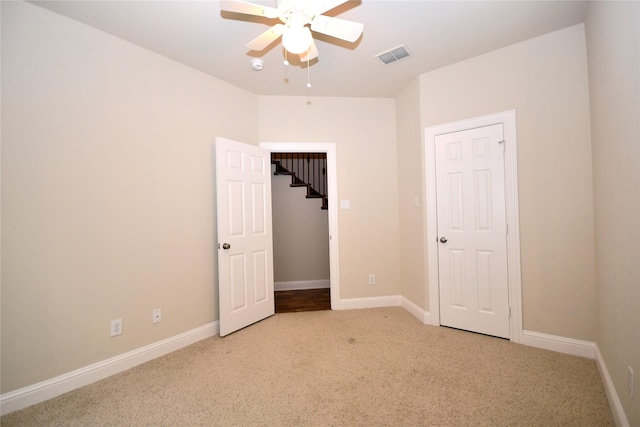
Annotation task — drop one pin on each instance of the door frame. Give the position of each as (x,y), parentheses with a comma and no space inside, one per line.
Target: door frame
(508,121)
(332,198)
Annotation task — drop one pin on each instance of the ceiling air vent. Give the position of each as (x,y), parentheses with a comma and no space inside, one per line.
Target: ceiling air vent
(393,55)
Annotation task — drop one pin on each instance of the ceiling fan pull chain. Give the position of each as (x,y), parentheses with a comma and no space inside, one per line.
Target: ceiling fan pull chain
(308,71)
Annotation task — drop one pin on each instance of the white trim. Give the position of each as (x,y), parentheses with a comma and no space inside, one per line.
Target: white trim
(301,285)
(559,344)
(508,120)
(371,302)
(419,313)
(619,417)
(48,389)
(332,187)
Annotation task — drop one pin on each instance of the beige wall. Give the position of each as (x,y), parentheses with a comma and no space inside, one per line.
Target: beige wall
(363,130)
(545,81)
(107,193)
(300,233)
(411,185)
(613,45)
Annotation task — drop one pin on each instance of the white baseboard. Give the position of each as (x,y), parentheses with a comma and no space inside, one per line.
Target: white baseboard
(373,302)
(619,417)
(419,313)
(301,284)
(559,344)
(36,393)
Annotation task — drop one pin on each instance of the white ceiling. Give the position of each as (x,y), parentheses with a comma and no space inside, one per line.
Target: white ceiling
(437,33)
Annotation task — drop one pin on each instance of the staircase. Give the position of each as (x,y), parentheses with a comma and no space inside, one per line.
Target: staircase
(306,170)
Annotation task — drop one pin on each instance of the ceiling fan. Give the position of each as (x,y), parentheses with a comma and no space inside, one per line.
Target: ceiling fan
(299,18)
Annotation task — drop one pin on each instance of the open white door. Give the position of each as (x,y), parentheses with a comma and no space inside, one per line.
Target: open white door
(245,241)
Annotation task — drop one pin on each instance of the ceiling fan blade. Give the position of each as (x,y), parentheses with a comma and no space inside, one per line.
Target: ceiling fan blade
(310,54)
(336,27)
(266,38)
(321,6)
(247,8)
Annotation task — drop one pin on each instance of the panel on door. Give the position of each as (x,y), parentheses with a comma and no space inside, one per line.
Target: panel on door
(472,251)
(245,242)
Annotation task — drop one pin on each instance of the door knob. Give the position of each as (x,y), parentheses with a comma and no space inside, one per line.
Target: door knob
(443,240)
(226,246)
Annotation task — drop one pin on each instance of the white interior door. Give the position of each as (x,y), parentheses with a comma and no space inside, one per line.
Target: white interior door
(472,251)
(245,242)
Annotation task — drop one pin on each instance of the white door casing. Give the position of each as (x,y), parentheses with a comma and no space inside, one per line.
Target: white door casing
(472,251)
(245,242)
(508,120)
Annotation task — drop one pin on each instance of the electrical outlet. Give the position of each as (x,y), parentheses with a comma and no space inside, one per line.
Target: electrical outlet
(630,382)
(372,279)
(116,327)
(157,315)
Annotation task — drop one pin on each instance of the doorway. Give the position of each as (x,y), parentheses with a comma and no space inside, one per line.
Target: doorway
(508,122)
(300,232)
(331,172)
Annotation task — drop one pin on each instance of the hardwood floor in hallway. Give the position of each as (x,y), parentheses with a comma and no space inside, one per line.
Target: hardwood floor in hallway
(303,300)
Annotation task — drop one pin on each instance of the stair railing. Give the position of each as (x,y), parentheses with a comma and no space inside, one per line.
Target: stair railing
(306,169)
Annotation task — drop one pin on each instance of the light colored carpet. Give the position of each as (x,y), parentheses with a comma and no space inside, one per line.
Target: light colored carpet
(373,367)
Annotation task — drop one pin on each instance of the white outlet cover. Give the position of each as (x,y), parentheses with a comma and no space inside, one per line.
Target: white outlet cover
(345,204)
(116,327)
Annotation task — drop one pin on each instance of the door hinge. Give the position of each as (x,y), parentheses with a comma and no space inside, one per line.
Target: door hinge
(509,312)
(503,144)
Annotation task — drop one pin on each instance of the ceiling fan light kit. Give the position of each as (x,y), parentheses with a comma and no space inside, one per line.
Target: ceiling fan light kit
(297,40)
